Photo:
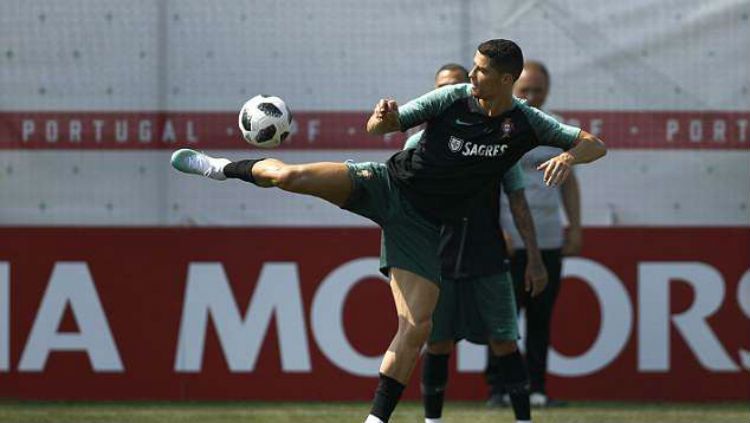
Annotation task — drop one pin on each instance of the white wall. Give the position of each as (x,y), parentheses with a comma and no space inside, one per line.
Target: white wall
(105,55)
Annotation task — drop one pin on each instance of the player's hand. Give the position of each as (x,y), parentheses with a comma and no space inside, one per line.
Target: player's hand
(384,106)
(573,242)
(557,169)
(384,118)
(387,110)
(536,276)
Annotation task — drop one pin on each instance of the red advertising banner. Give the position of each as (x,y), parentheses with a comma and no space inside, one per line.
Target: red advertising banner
(301,314)
(342,130)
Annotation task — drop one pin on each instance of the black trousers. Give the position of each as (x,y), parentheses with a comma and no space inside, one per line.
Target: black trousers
(538,316)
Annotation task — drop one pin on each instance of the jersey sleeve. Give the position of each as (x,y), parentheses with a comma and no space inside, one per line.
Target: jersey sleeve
(433,103)
(413,140)
(549,131)
(513,179)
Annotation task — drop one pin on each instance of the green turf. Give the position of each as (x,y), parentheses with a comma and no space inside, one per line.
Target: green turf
(48,412)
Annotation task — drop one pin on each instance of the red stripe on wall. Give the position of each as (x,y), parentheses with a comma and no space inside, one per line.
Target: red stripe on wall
(341,130)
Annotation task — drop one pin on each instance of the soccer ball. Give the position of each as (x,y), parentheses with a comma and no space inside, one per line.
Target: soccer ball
(265,121)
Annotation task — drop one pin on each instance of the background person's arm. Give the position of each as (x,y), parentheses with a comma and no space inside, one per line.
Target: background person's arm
(535,278)
(571,200)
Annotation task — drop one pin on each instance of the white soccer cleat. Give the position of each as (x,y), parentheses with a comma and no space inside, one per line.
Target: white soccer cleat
(537,399)
(191,161)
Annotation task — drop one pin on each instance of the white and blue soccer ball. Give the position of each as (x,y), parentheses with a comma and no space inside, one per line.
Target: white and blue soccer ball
(265,121)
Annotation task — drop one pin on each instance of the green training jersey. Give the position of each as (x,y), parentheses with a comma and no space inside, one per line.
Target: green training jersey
(513,179)
(463,151)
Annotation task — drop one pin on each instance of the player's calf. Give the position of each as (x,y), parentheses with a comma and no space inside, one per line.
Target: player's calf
(266,173)
(397,366)
(272,172)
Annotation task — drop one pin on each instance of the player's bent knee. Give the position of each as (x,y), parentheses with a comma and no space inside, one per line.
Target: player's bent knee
(415,334)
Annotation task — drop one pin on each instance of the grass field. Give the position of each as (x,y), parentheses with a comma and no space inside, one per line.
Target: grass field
(48,412)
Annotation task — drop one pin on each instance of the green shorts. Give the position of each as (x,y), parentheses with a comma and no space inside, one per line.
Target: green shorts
(476,309)
(409,241)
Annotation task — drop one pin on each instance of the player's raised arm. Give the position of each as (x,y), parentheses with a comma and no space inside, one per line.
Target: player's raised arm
(384,118)
(586,149)
(389,117)
(580,146)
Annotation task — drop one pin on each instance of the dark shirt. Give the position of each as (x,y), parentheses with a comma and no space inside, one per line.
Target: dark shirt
(452,175)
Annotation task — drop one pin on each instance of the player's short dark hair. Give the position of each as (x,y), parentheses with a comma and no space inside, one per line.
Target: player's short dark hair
(533,64)
(505,56)
(454,67)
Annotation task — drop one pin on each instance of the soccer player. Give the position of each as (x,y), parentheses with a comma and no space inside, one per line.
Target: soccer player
(546,204)
(430,201)
(458,315)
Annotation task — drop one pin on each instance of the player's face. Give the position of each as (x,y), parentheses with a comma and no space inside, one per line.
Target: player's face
(449,77)
(532,85)
(486,81)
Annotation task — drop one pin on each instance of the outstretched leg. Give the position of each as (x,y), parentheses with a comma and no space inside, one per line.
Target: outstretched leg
(329,181)
(326,180)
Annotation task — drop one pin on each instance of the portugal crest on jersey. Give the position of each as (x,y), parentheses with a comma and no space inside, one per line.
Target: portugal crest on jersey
(507,127)
(455,144)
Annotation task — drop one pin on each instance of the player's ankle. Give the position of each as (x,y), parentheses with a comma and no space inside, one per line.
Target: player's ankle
(242,169)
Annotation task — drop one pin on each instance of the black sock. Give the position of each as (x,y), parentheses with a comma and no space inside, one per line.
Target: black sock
(513,372)
(242,169)
(434,379)
(386,397)
(492,375)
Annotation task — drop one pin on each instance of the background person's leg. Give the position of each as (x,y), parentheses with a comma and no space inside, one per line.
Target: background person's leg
(538,317)
(435,378)
(512,371)
(498,397)
(443,336)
